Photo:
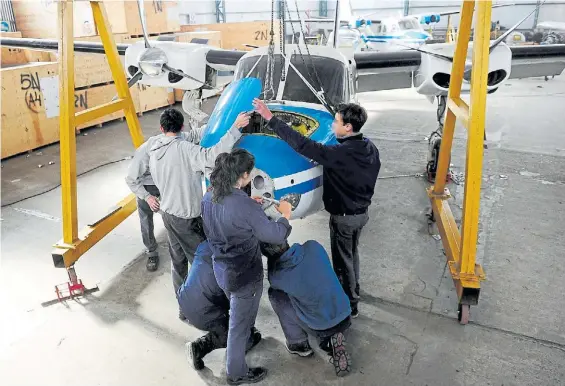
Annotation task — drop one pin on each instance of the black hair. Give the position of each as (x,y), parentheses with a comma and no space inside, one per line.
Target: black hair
(273,251)
(353,114)
(227,170)
(171,120)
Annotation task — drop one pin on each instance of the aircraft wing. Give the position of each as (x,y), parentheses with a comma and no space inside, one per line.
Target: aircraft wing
(450,12)
(377,71)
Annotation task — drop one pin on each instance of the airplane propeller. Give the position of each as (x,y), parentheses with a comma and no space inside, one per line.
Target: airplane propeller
(153,61)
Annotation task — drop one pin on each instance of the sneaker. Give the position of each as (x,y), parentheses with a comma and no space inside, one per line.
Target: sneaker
(152,263)
(302,349)
(340,357)
(354,312)
(194,355)
(254,375)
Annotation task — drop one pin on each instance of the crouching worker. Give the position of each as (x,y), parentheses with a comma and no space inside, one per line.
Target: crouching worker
(307,297)
(206,307)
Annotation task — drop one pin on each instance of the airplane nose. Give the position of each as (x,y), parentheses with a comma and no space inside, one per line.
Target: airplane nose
(261,184)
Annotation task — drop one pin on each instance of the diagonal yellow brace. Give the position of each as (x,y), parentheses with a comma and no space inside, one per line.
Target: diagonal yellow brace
(74,244)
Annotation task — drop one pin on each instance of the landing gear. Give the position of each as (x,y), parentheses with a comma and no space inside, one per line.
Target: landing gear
(434,142)
(463,313)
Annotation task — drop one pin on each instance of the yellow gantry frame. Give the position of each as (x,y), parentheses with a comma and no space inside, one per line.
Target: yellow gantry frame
(461,246)
(74,244)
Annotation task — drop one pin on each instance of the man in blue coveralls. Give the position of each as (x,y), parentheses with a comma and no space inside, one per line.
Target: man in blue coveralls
(206,307)
(307,297)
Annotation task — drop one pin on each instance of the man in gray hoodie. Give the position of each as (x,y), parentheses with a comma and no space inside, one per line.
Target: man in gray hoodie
(141,184)
(177,167)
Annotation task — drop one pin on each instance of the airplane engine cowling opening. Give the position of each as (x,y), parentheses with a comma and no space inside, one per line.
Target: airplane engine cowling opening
(133,70)
(496,77)
(441,79)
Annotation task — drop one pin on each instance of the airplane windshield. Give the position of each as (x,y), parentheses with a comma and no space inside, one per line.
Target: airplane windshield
(330,71)
(406,24)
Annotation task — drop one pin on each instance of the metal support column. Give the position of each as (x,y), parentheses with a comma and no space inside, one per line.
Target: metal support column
(220,11)
(460,246)
(74,243)
(406,7)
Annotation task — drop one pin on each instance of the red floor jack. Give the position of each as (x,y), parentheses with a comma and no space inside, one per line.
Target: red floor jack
(70,290)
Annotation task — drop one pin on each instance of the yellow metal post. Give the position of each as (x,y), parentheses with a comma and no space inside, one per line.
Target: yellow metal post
(67,122)
(74,244)
(470,223)
(460,246)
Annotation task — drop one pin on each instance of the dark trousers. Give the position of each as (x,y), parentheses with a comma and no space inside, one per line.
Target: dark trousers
(184,237)
(217,336)
(244,304)
(296,331)
(146,221)
(345,232)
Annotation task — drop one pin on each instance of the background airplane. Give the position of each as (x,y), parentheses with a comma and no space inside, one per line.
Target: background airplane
(302,85)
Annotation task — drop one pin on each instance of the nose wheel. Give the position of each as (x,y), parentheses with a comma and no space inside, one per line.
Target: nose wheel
(463,313)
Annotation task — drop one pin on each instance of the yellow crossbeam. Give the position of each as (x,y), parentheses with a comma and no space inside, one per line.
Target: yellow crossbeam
(460,109)
(99,111)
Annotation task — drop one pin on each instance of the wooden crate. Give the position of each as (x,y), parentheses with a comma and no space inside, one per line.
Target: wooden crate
(11,56)
(146,98)
(212,38)
(161,16)
(235,35)
(30,116)
(38,19)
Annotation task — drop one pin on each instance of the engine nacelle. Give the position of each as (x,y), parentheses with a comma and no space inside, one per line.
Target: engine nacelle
(434,74)
(190,58)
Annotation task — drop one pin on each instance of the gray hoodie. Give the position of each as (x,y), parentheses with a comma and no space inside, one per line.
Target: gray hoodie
(138,171)
(177,167)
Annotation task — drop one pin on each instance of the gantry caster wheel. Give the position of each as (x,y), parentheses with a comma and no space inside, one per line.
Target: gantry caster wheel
(463,313)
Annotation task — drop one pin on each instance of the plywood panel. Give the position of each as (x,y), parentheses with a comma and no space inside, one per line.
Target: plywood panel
(11,56)
(38,19)
(235,35)
(147,98)
(30,116)
(160,16)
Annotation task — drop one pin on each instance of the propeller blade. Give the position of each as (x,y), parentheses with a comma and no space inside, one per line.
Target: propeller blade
(180,73)
(504,35)
(134,79)
(142,19)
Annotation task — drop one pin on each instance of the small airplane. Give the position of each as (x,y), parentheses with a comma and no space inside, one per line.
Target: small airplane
(392,33)
(302,85)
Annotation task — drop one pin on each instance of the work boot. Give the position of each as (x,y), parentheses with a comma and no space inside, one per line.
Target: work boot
(254,375)
(255,338)
(302,349)
(340,357)
(197,350)
(152,263)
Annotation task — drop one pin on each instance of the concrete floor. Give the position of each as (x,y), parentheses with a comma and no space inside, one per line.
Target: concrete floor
(407,334)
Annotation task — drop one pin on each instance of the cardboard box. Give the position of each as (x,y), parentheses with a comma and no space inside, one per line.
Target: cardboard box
(235,35)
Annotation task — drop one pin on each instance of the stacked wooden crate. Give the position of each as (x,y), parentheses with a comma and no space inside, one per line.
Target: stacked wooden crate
(30,93)
(238,35)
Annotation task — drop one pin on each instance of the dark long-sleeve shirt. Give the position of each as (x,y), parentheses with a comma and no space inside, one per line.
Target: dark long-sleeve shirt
(234,228)
(351,168)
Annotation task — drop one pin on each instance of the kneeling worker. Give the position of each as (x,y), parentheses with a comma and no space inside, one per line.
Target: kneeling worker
(307,296)
(206,307)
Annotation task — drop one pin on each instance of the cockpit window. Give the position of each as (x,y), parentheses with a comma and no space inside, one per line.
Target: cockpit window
(406,24)
(331,73)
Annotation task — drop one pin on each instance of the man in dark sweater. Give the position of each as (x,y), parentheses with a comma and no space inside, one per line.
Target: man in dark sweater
(350,173)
